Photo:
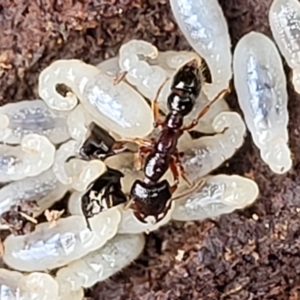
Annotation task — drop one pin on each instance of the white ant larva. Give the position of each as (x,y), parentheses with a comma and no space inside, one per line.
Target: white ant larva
(203,155)
(25,117)
(34,156)
(48,247)
(260,84)
(221,194)
(33,286)
(100,264)
(116,106)
(284,19)
(145,77)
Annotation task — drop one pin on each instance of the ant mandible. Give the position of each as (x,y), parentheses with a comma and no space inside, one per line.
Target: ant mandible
(151,198)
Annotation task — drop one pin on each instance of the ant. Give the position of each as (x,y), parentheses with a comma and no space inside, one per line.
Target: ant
(151,198)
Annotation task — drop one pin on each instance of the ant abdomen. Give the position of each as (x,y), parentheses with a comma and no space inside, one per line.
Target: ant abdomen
(189,78)
(185,88)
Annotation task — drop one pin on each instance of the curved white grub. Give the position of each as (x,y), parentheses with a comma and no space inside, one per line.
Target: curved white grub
(51,247)
(99,265)
(221,194)
(26,117)
(204,26)
(72,73)
(205,154)
(17,286)
(260,84)
(284,19)
(83,173)
(45,189)
(133,59)
(32,157)
(110,66)
(118,108)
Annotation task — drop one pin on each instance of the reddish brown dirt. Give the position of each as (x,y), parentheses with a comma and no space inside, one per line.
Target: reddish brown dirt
(253,254)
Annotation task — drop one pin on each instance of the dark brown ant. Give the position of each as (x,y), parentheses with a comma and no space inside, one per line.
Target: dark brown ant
(152,197)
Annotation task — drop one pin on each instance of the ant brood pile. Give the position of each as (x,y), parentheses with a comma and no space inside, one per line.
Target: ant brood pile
(130,167)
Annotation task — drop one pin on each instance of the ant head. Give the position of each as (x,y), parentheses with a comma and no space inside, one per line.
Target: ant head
(151,202)
(181,102)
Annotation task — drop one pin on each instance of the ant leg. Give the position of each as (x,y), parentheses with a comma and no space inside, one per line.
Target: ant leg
(206,109)
(139,156)
(174,170)
(194,189)
(142,142)
(181,168)
(120,77)
(129,204)
(155,108)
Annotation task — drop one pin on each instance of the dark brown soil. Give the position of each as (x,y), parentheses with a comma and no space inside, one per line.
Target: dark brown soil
(253,254)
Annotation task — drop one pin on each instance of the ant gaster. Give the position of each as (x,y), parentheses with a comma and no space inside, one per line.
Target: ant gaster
(151,198)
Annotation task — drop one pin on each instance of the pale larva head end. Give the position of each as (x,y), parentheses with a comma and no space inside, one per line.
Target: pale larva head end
(241,192)
(277,156)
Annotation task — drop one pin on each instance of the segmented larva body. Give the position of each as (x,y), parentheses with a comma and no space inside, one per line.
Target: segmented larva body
(221,194)
(25,117)
(260,83)
(205,154)
(34,286)
(145,77)
(34,156)
(116,107)
(284,19)
(51,247)
(100,264)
